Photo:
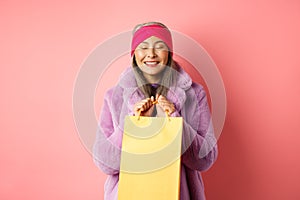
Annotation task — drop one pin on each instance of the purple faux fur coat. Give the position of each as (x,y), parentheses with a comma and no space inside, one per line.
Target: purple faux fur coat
(198,141)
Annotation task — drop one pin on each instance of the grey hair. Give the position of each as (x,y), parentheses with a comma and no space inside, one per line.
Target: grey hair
(137,27)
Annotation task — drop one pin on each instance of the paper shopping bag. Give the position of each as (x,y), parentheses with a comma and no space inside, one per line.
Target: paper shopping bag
(150,158)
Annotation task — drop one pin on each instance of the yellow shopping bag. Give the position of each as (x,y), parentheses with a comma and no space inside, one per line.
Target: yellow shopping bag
(150,158)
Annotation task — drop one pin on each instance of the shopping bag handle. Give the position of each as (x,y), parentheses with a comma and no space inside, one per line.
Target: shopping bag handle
(156,102)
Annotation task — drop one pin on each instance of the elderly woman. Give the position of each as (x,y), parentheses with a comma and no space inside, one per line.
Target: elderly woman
(155,77)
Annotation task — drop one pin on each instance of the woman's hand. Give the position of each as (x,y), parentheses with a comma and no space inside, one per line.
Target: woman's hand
(145,106)
(164,105)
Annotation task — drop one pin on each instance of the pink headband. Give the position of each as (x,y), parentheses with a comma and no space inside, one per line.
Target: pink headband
(152,30)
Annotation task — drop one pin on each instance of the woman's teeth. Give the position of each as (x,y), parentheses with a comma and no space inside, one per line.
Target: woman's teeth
(151,63)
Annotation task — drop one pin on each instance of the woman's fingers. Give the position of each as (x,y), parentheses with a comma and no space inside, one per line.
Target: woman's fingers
(146,103)
(165,104)
(158,96)
(168,108)
(143,105)
(152,98)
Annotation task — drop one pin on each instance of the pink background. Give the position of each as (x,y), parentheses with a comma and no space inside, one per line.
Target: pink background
(255,45)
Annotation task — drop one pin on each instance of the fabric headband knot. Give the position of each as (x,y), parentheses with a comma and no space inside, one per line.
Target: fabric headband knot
(152,30)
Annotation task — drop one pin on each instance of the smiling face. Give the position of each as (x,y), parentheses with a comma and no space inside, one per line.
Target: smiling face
(151,56)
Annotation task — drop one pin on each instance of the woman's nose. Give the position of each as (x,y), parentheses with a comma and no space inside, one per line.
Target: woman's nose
(151,53)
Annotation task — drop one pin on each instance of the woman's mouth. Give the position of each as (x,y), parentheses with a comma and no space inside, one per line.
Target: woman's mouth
(151,63)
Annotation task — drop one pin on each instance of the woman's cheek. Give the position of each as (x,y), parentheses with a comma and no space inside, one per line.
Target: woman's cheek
(164,56)
(139,56)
